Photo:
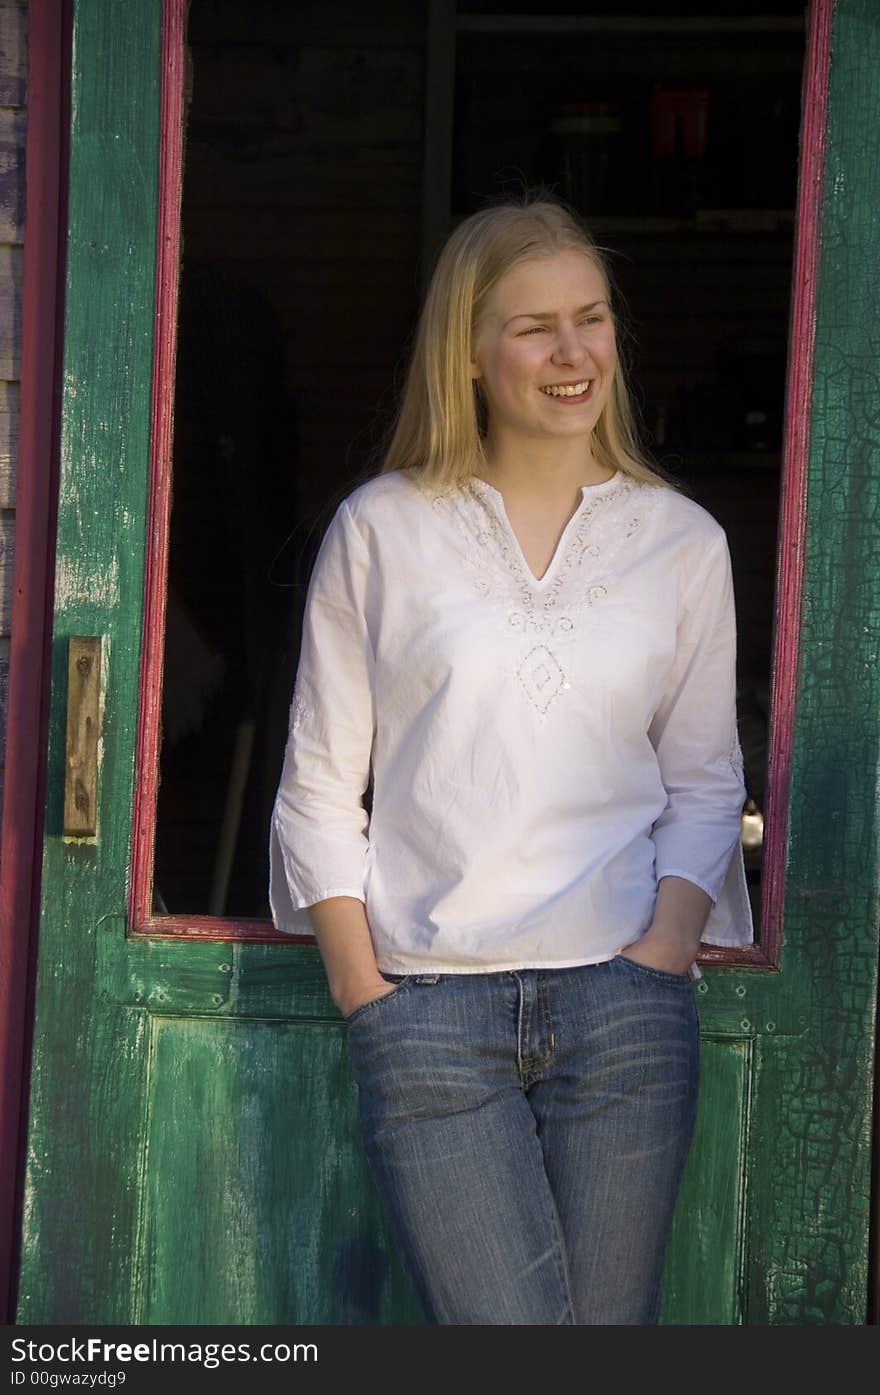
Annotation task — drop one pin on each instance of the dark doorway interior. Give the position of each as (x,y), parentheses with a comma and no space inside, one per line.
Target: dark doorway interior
(303,236)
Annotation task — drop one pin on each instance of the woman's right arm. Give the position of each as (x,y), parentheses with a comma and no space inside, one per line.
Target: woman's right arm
(346,946)
(319,824)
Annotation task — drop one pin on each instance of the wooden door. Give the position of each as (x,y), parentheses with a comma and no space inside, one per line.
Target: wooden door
(193,1151)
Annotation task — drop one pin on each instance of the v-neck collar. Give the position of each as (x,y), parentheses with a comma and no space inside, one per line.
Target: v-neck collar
(589,492)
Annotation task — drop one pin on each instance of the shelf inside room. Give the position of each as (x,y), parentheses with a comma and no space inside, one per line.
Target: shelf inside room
(572,16)
(641,126)
(740,221)
(706,461)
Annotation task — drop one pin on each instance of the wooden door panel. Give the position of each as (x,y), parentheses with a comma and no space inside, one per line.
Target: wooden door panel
(258,1207)
(703,1281)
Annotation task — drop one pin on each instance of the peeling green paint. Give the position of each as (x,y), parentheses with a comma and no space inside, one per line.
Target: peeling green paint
(192,1150)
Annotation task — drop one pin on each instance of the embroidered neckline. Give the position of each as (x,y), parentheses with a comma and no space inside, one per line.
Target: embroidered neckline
(579,576)
(591,497)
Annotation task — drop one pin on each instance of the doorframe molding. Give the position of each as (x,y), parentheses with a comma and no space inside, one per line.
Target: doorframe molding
(791,544)
(21,839)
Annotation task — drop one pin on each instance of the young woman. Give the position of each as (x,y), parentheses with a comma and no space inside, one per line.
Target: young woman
(526,637)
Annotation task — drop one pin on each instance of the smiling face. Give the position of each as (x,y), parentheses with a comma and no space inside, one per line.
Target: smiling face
(544,351)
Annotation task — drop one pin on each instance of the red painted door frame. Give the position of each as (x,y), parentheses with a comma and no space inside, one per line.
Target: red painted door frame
(21,839)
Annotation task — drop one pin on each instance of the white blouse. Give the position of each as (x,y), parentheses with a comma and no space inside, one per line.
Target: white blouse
(542,752)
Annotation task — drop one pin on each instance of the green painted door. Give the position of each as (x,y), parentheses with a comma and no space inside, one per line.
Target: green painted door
(193,1153)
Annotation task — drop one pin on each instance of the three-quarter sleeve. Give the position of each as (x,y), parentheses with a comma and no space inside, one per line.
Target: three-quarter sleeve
(318,835)
(694,734)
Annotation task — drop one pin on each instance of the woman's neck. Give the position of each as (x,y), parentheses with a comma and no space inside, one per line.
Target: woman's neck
(542,473)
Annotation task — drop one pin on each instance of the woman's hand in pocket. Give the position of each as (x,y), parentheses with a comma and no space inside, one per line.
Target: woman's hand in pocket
(666,949)
(351,1001)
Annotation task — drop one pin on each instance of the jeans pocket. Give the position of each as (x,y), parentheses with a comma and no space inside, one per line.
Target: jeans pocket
(661,975)
(375,1003)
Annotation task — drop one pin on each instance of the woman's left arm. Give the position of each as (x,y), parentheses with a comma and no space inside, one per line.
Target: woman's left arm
(673,937)
(694,735)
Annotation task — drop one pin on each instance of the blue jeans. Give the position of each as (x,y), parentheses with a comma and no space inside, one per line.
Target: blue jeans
(527,1131)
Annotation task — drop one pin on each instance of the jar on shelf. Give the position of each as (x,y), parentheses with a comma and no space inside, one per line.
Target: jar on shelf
(586,137)
(679,137)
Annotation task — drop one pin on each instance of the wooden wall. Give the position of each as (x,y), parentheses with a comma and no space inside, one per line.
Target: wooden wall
(13,82)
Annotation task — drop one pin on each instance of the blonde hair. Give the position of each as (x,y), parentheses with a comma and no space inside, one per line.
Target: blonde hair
(441,421)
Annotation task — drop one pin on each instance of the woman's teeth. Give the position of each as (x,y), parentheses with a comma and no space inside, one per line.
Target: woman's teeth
(568,391)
